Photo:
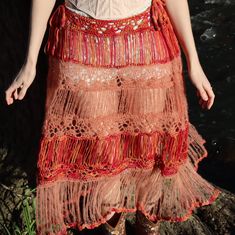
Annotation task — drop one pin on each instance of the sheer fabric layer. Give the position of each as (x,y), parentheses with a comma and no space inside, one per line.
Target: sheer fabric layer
(109,127)
(116,135)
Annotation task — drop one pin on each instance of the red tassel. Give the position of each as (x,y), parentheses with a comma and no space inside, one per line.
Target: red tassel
(157,10)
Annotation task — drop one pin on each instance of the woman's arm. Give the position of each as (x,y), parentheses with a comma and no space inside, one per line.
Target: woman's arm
(40,12)
(180,17)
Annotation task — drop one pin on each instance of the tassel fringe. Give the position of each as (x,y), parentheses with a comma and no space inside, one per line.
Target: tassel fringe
(112,43)
(87,203)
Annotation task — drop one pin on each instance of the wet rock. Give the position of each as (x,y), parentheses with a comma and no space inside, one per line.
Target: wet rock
(12,185)
(209,34)
(215,219)
(220,2)
(219,217)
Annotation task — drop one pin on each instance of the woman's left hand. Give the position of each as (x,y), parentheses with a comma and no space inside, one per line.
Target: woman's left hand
(203,86)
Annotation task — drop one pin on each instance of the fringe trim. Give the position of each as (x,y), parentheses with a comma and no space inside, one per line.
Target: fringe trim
(186,216)
(158,197)
(85,158)
(73,37)
(61,229)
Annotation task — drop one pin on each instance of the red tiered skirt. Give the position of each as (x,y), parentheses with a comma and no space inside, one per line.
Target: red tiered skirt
(116,135)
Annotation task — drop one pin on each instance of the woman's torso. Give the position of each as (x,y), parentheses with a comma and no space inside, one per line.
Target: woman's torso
(108,9)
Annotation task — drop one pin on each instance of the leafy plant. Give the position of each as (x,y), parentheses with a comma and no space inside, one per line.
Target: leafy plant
(27,222)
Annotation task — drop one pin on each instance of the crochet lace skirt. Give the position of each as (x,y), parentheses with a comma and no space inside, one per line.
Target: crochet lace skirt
(116,134)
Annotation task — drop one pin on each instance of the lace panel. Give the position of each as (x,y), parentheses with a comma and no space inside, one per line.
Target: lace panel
(91,102)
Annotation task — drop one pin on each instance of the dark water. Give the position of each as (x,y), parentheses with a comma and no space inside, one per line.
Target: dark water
(214,31)
(213,23)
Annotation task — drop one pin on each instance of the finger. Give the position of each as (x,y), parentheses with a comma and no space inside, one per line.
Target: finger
(200,101)
(211,96)
(22,93)
(203,103)
(9,97)
(210,103)
(9,100)
(203,94)
(8,93)
(15,93)
(10,90)
(199,98)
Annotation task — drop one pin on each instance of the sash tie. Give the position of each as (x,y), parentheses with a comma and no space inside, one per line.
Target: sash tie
(158,13)
(56,21)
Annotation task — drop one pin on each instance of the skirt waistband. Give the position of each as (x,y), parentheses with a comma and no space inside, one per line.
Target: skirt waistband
(100,26)
(150,18)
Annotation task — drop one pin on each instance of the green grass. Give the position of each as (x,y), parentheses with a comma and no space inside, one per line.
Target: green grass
(27,223)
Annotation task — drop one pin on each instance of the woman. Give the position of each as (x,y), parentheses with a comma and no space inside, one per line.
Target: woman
(116,136)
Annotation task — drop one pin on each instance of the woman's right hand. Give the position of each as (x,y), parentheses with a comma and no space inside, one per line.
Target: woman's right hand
(21,83)
(40,12)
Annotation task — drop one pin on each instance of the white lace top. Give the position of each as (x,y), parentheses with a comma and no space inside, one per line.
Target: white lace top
(108,9)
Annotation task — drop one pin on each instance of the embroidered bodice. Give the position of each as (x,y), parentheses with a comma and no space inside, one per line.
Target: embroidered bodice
(108,9)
